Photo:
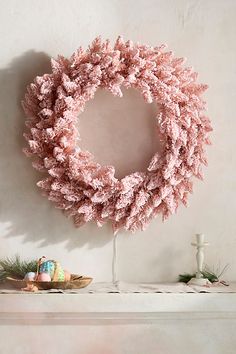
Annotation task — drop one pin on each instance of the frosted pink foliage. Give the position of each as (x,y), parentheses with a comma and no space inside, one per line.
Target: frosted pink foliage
(75,182)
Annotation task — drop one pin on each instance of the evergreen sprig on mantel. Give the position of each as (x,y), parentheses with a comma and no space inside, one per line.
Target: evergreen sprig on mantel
(16,268)
(206,273)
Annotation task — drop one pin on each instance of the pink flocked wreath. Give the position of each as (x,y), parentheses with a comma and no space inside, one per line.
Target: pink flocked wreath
(74,181)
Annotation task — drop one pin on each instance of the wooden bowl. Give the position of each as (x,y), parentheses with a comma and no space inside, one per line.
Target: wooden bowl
(76,282)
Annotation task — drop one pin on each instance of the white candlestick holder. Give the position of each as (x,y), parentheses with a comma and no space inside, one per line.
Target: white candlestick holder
(200,245)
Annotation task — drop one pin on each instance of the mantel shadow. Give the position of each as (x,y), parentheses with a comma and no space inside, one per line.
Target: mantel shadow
(23,211)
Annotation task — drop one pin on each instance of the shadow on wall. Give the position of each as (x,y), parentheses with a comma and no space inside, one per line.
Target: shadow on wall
(23,211)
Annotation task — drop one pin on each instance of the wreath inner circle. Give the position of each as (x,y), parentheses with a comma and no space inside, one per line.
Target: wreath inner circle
(75,182)
(122,132)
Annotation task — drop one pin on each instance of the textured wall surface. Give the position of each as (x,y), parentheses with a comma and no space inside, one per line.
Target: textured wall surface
(203,31)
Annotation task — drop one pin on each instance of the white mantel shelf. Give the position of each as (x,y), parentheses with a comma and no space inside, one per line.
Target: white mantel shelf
(27,308)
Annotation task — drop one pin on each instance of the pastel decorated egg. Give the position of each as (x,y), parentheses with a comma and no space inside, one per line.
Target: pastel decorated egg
(31,276)
(47,267)
(52,268)
(67,275)
(43,277)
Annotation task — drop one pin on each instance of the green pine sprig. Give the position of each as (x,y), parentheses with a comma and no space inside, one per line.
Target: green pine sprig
(206,273)
(16,268)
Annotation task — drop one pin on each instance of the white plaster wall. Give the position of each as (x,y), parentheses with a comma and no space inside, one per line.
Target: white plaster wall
(204,32)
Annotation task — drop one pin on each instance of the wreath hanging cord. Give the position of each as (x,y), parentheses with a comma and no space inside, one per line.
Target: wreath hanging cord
(79,185)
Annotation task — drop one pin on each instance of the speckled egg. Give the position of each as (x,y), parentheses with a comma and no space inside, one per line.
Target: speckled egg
(47,267)
(67,275)
(54,269)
